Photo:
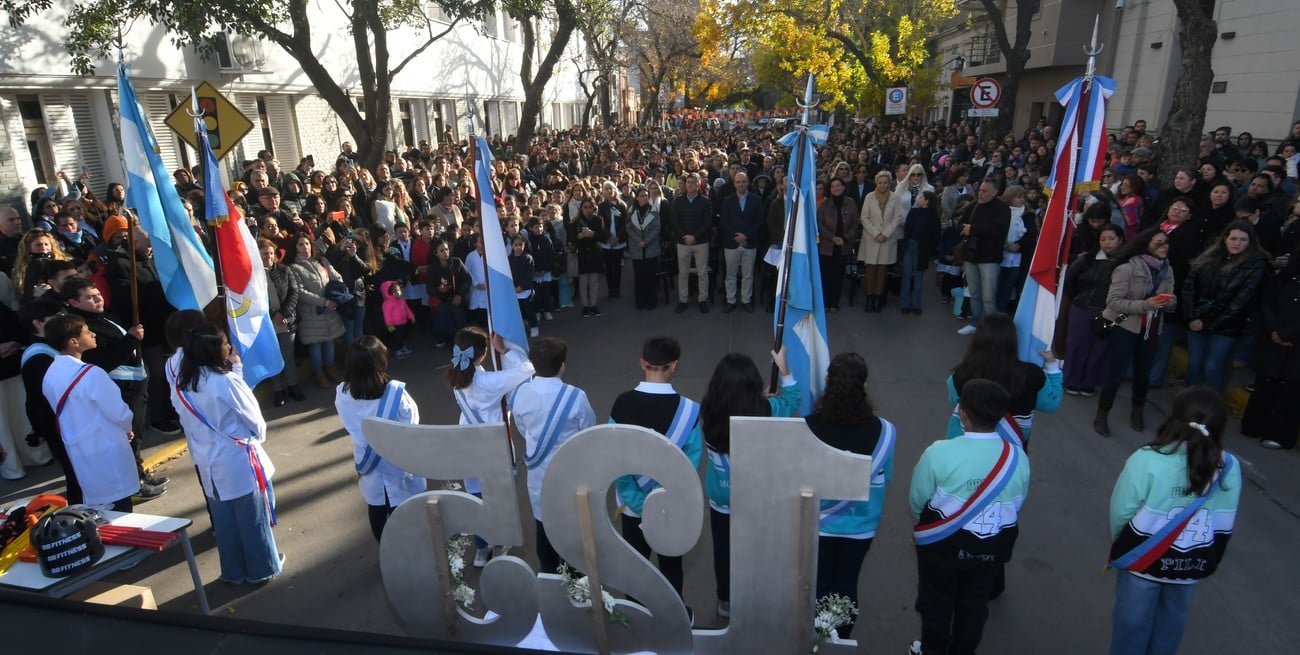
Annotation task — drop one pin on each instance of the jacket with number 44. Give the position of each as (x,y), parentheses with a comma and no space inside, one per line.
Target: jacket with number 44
(948,474)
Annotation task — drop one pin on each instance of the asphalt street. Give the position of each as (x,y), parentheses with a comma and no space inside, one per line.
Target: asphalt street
(1058,599)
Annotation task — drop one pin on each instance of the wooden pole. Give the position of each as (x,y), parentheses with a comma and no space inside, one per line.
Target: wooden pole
(787,255)
(443,566)
(808,521)
(135,287)
(600,623)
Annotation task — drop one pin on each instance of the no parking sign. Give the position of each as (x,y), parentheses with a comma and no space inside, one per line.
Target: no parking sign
(896,101)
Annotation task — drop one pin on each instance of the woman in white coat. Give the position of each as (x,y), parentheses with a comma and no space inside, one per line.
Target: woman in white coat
(225,430)
(881,216)
(368,391)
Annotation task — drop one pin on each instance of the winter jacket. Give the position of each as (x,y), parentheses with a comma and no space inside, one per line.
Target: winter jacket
(396,311)
(315,324)
(989,224)
(1280,313)
(832,223)
(1130,287)
(1225,301)
(875,222)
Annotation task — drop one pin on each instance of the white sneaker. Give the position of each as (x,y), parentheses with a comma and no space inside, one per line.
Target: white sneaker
(724,608)
(532,332)
(915,648)
(548,316)
(480,558)
(1270,444)
(967,331)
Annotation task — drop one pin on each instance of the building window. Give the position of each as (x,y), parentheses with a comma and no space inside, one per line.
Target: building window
(38,143)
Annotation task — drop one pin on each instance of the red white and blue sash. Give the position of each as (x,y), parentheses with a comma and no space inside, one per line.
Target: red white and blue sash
(254,462)
(1153,547)
(884,446)
(390,403)
(984,495)
(554,424)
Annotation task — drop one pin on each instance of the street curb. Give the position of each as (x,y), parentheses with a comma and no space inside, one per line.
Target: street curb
(168,451)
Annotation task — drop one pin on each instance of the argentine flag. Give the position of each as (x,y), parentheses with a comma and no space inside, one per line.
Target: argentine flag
(503,307)
(247,303)
(803,333)
(184,267)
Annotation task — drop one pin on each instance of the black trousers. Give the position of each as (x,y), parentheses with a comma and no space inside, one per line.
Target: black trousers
(720,527)
(378,515)
(953,599)
(645,274)
(548,561)
(671,567)
(1271,413)
(60,452)
(832,270)
(613,271)
(839,563)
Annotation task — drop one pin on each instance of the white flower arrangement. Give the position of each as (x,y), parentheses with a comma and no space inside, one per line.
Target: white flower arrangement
(832,612)
(460,592)
(579,590)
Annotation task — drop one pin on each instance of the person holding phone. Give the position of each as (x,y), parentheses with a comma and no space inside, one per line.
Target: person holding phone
(1141,293)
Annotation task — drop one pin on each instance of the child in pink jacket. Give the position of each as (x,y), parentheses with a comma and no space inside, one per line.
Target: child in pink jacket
(397,316)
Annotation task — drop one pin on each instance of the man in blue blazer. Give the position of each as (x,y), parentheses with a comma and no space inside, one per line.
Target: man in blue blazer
(742,220)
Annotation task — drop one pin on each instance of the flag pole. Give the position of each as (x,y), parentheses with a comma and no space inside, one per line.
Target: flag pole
(1081,119)
(130,229)
(487,276)
(220,300)
(792,221)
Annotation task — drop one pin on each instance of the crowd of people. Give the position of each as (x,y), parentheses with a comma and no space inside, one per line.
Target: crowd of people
(390,261)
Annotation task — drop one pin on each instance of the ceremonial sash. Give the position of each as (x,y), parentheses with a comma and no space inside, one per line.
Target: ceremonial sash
(58,409)
(254,462)
(475,418)
(884,445)
(554,424)
(35,349)
(1146,553)
(1007,428)
(984,496)
(390,403)
(679,432)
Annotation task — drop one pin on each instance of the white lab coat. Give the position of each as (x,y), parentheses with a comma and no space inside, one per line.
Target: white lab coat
(484,394)
(386,478)
(221,455)
(530,406)
(478,296)
(94,426)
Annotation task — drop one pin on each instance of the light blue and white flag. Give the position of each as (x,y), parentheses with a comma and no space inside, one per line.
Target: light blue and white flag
(503,307)
(184,267)
(807,349)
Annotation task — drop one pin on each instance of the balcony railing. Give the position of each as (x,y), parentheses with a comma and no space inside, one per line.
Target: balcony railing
(983,50)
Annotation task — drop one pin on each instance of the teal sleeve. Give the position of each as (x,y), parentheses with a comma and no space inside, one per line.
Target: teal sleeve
(923,484)
(786,403)
(1129,495)
(1050,394)
(953,397)
(695,445)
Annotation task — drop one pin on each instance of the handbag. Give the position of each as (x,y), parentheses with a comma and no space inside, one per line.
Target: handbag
(1102,326)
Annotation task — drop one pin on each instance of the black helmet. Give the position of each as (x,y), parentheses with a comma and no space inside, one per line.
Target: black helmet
(67,542)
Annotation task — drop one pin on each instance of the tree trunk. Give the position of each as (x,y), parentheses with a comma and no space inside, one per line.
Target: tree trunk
(1010,89)
(1180,136)
(535,83)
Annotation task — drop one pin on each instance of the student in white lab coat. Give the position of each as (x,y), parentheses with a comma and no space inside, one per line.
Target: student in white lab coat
(532,406)
(479,392)
(367,391)
(94,423)
(225,430)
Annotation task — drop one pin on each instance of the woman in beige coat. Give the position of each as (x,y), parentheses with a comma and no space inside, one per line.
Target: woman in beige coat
(319,323)
(882,215)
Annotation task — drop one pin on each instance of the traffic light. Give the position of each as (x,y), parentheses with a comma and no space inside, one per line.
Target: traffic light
(208,105)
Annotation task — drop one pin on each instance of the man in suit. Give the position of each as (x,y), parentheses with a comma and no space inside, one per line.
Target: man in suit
(742,221)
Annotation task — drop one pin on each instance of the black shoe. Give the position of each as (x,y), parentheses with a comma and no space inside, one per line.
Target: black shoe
(296,393)
(281,399)
(155,480)
(728,308)
(586,312)
(167,427)
(595,311)
(704,307)
(681,307)
(149,492)
(749,307)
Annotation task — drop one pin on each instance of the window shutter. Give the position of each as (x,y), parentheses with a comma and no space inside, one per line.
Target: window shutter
(61,130)
(511,122)
(252,142)
(157,106)
(284,137)
(420,121)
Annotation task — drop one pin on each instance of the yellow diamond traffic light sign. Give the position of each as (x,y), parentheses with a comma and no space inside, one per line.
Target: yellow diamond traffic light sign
(226,126)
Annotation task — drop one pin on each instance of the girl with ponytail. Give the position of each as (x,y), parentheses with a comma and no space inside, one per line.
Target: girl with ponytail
(1171,515)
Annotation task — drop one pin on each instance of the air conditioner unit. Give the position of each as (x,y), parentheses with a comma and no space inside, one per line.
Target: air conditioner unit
(238,52)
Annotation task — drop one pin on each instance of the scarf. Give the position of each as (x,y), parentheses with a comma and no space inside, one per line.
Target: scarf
(74,237)
(1154,263)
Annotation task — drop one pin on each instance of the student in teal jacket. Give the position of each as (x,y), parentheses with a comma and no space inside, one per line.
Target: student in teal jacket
(1185,484)
(736,389)
(845,419)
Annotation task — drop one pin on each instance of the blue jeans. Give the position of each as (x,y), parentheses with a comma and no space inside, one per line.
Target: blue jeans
(982,282)
(1126,349)
(1149,617)
(1007,291)
(322,354)
(1170,334)
(1208,356)
(913,280)
(245,544)
(353,328)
